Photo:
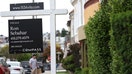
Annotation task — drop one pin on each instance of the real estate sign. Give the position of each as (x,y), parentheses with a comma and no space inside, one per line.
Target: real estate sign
(25,36)
(26,6)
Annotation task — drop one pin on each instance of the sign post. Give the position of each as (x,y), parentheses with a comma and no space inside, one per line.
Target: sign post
(52,12)
(52,37)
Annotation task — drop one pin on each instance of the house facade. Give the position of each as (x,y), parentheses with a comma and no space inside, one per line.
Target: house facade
(79,16)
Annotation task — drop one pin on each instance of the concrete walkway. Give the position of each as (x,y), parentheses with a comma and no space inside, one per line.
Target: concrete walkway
(59,69)
(47,72)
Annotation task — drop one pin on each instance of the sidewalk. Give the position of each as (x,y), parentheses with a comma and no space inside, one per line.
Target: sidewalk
(59,69)
(47,72)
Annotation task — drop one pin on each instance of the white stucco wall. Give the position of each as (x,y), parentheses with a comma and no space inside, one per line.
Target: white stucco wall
(78,17)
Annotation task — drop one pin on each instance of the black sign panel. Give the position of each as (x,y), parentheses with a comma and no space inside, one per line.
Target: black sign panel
(26,6)
(25,36)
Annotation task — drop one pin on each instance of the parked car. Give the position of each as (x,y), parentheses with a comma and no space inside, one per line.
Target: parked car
(4,67)
(3,58)
(25,65)
(15,67)
(47,66)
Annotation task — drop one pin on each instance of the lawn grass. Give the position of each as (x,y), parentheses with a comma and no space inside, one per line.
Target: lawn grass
(62,72)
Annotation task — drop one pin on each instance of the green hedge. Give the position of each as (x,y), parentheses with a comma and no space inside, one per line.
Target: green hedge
(121,36)
(121,42)
(85,71)
(71,62)
(23,56)
(68,63)
(118,6)
(109,38)
(82,71)
(97,33)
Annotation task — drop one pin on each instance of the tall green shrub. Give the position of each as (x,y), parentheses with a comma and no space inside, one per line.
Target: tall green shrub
(121,36)
(85,71)
(97,34)
(118,6)
(121,42)
(71,62)
(68,63)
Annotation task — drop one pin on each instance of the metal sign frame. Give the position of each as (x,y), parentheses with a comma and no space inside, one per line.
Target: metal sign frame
(52,12)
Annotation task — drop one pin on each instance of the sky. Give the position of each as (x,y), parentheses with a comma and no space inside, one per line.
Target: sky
(61,20)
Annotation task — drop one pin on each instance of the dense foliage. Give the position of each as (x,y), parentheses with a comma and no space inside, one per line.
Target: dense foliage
(121,36)
(23,56)
(71,62)
(47,50)
(64,32)
(97,33)
(20,57)
(121,43)
(109,39)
